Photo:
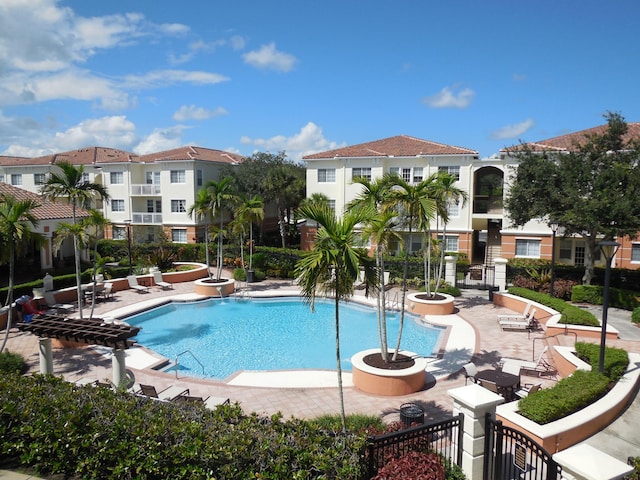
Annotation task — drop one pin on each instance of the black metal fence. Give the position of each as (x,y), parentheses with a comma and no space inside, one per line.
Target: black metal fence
(443,437)
(477,276)
(510,454)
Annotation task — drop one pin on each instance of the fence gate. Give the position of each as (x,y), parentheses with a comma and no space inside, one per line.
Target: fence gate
(477,276)
(510,454)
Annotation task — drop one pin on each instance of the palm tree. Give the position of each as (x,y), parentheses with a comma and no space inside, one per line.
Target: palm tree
(17,222)
(222,196)
(333,265)
(70,184)
(98,221)
(202,209)
(250,210)
(415,204)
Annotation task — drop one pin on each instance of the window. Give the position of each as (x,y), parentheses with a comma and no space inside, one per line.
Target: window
(179,235)
(635,252)
(326,175)
(2,178)
(394,171)
(39,178)
(406,174)
(565,250)
(417,174)
(450,243)
(119,233)
(178,206)
(84,178)
(451,170)
(117,205)
(154,206)
(527,248)
(116,178)
(178,176)
(199,178)
(332,205)
(16,179)
(361,172)
(453,209)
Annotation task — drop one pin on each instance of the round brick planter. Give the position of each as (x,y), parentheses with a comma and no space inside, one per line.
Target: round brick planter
(379,381)
(443,305)
(214,288)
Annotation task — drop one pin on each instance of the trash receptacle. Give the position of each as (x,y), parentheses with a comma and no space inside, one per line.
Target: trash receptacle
(491,292)
(251,276)
(411,413)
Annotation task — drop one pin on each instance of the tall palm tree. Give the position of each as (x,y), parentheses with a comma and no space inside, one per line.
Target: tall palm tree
(333,265)
(201,210)
(98,221)
(222,196)
(70,184)
(17,222)
(250,210)
(416,206)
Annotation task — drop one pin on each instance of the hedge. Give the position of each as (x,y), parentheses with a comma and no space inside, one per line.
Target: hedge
(570,313)
(594,294)
(95,433)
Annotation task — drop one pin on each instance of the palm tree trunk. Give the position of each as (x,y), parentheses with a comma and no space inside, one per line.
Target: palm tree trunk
(405,274)
(206,248)
(12,268)
(219,264)
(250,245)
(343,415)
(95,269)
(382,317)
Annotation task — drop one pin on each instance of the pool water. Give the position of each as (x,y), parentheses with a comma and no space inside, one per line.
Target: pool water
(270,334)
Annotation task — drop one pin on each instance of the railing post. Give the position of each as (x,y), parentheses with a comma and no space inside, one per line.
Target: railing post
(474,402)
(500,274)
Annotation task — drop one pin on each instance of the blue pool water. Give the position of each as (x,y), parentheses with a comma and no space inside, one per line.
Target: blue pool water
(270,334)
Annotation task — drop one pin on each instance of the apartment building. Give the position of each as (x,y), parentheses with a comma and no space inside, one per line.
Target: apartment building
(149,193)
(481,228)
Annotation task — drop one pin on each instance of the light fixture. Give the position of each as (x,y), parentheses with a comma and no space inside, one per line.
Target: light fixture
(609,249)
(128,223)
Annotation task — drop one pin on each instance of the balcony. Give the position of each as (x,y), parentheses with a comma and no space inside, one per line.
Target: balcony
(146,218)
(145,189)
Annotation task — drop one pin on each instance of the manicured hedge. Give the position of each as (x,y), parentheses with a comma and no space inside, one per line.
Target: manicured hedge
(594,294)
(95,433)
(570,314)
(616,360)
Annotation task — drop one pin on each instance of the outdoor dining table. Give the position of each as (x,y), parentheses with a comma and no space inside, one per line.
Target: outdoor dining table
(503,383)
(87,290)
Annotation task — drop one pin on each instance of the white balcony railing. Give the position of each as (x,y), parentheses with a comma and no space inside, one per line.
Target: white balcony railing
(148,218)
(146,189)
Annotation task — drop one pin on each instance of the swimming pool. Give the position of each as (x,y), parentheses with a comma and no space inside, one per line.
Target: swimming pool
(270,334)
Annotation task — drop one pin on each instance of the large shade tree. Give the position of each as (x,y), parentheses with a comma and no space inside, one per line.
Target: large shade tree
(592,190)
(333,265)
(17,224)
(71,184)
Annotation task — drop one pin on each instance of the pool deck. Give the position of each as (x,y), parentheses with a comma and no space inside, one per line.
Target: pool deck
(473,333)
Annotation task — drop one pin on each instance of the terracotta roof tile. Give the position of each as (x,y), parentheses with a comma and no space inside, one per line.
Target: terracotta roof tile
(190,152)
(398,146)
(565,143)
(47,210)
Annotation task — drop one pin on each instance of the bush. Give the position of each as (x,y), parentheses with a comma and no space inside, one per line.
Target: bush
(240,274)
(12,363)
(635,315)
(593,294)
(570,313)
(413,466)
(616,360)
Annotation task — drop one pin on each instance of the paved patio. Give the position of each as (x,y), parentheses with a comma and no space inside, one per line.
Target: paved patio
(481,338)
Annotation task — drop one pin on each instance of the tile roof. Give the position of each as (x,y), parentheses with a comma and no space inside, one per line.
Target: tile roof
(398,146)
(103,155)
(565,143)
(48,210)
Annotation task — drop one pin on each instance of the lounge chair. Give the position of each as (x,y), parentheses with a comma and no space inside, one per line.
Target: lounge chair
(538,367)
(213,402)
(516,316)
(528,323)
(168,394)
(58,308)
(527,390)
(133,283)
(470,372)
(157,278)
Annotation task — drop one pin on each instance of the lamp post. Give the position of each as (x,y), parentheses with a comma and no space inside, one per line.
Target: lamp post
(128,222)
(554,228)
(609,249)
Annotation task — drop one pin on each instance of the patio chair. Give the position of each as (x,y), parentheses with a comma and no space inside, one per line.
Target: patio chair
(213,402)
(470,372)
(107,292)
(133,283)
(527,390)
(528,323)
(58,308)
(516,316)
(168,394)
(189,399)
(539,367)
(157,278)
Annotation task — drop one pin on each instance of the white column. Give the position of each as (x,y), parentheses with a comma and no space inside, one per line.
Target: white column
(119,367)
(474,402)
(46,356)
(500,280)
(450,270)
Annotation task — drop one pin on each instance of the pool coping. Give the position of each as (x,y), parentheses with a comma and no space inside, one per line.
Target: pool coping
(458,346)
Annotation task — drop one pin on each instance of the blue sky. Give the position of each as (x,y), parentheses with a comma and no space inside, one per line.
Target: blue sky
(304,77)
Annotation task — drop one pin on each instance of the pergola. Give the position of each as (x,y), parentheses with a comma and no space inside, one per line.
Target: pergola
(90,332)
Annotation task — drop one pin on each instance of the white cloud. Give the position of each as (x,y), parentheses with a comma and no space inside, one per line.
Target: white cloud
(191,112)
(161,139)
(163,78)
(308,140)
(512,131)
(195,48)
(267,57)
(237,42)
(447,98)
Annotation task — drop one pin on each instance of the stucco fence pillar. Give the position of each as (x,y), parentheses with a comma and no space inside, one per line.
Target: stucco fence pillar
(450,270)
(500,275)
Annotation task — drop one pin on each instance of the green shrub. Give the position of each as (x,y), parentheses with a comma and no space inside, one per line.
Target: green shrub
(635,315)
(568,396)
(570,313)
(367,424)
(593,294)
(240,274)
(616,360)
(12,363)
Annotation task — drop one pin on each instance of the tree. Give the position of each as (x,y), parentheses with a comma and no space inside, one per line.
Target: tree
(285,186)
(591,191)
(17,222)
(333,265)
(250,210)
(202,210)
(415,205)
(222,196)
(70,183)
(98,221)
